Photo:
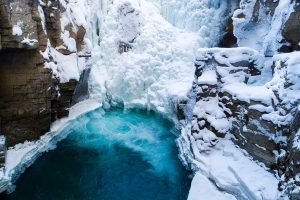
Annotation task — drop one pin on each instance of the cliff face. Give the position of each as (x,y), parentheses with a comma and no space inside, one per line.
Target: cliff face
(32,94)
(267,26)
(253,93)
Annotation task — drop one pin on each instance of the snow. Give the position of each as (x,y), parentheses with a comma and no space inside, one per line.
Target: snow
(17,30)
(229,169)
(29,42)
(264,33)
(196,16)
(210,110)
(202,187)
(285,84)
(262,108)
(21,156)
(287,70)
(281,15)
(75,15)
(2,140)
(130,21)
(158,71)
(65,67)
(246,93)
(69,42)
(155,73)
(296,142)
(208,77)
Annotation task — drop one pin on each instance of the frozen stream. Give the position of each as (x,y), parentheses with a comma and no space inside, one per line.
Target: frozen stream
(112,155)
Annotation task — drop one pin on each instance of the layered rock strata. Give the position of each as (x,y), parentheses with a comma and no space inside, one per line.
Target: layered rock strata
(36,40)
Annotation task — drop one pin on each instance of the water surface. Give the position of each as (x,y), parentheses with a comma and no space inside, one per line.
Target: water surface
(107,156)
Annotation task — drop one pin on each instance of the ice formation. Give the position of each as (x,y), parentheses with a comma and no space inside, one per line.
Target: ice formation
(196,16)
(155,71)
(262,32)
(158,69)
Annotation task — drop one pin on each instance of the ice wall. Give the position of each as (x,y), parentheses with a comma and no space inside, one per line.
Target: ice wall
(205,17)
(155,69)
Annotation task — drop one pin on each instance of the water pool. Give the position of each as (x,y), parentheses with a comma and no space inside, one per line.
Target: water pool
(109,155)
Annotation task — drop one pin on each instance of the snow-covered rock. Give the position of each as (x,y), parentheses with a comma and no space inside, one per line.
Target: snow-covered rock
(238,97)
(259,24)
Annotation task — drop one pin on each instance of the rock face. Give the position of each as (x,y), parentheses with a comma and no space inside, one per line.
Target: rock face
(276,22)
(293,158)
(253,93)
(3,149)
(232,97)
(291,29)
(32,40)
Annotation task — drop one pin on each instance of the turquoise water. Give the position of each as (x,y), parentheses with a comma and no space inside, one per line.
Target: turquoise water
(107,156)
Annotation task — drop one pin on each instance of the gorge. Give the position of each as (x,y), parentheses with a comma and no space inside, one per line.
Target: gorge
(223,76)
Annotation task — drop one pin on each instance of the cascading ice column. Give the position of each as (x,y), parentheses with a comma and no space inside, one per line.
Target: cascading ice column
(205,17)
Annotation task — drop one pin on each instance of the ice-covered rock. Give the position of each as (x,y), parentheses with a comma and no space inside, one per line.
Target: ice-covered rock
(259,24)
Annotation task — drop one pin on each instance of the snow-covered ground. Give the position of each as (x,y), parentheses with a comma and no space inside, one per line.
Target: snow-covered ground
(227,172)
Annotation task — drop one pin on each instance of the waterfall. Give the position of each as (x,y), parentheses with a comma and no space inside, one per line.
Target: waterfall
(158,69)
(206,17)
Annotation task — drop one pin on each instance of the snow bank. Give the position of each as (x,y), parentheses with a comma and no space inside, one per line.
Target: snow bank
(203,188)
(246,93)
(296,141)
(229,169)
(64,67)
(208,77)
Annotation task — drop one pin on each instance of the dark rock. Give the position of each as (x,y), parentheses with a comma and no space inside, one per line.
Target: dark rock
(30,98)
(124,47)
(228,40)
(81,91)
(3,149)
(291,31)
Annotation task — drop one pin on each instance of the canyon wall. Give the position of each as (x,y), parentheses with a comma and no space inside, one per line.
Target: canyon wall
(35,44)
(252,92)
